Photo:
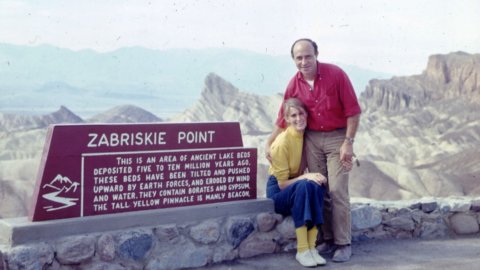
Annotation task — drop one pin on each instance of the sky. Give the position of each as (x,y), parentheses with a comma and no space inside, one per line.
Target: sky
(389,36)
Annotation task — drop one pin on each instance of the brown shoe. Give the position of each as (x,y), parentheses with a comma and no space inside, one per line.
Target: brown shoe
(342,254)
(326,247)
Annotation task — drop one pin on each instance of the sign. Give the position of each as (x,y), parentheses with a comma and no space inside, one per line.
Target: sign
(99,169)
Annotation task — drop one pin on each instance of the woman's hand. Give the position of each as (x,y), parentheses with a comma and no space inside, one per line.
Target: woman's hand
(315,177)
(268,156)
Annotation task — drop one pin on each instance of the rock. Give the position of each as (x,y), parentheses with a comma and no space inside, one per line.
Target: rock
(287,228)
(75,250)
(417,216)
(106,247)
(134,245)
(464,223)
(429,207)
(404,212)
(224,253)
(238,228)
(2,261)
(416,206)
(168,233)
(431,230)
(402,223)
(206,232)
(30,257)
(266,222)
(475,205)
(259,243)
(365,217)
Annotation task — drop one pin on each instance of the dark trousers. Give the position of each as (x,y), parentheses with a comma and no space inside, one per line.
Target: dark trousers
(303,200)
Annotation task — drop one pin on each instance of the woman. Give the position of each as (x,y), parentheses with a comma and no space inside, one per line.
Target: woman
(294,193)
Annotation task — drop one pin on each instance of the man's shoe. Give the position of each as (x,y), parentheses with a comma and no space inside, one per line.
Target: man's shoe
(326,247)
(317,258)
(305,258)
(342,254)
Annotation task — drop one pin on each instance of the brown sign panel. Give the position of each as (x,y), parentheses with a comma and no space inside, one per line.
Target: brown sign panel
(104,169)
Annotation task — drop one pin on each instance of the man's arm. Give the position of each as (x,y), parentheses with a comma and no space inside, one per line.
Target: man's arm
(346,150)
(270,140)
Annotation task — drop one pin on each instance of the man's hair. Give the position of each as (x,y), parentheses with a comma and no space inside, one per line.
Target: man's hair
(293,103)
(314,45)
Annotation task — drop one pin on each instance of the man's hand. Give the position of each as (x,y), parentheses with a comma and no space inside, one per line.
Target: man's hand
(346,155)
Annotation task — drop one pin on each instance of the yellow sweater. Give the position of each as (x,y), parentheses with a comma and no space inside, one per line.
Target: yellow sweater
(286,153)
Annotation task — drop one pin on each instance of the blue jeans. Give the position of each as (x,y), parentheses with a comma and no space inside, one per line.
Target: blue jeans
(303,200)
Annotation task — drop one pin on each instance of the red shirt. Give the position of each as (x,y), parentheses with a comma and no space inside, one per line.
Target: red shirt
(331,101)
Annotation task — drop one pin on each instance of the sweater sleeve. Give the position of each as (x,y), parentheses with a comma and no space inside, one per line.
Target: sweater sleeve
(280,166)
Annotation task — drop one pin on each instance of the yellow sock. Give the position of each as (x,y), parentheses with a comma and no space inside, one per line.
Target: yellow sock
(312,237)
(302,239)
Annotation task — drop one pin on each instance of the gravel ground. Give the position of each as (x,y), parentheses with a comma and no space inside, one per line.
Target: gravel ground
(460,253)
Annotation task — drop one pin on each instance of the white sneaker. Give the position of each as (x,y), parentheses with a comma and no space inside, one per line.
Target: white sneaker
(317,258)
(305,258)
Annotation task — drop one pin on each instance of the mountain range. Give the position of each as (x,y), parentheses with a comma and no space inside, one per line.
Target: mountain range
(419,135)
(162,82)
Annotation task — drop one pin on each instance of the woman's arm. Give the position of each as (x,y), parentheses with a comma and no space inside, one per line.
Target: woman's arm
(270,140)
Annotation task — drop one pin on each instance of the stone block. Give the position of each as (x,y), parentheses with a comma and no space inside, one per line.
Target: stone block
(224,253)
(417,216)
(402,223)
(259,243)
(463,223)
(207,232)
(379,233)
(238,228)
(134,245)
(35,256)
(365,217)
(168,233)
(266,222)
(431,230)
(429,207)
(106,247)
(475,205)
(2,261)
(287,228)
(75,250)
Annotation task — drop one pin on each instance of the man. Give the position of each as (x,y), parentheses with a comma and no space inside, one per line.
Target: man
(333,118)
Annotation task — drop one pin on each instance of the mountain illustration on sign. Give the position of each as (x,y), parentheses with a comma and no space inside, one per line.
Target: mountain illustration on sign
(62,188)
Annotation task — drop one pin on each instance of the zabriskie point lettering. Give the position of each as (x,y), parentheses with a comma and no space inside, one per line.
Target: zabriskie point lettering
(146,138)
(107,169)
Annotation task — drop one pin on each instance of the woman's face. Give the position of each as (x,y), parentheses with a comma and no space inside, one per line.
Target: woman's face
(296,118)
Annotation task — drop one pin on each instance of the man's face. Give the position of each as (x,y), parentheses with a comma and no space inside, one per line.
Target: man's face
(305,59)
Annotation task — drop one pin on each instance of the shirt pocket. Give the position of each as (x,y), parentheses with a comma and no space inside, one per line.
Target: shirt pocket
(332,99)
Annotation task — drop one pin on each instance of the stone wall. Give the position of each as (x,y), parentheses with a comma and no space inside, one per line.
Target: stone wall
(214,240)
